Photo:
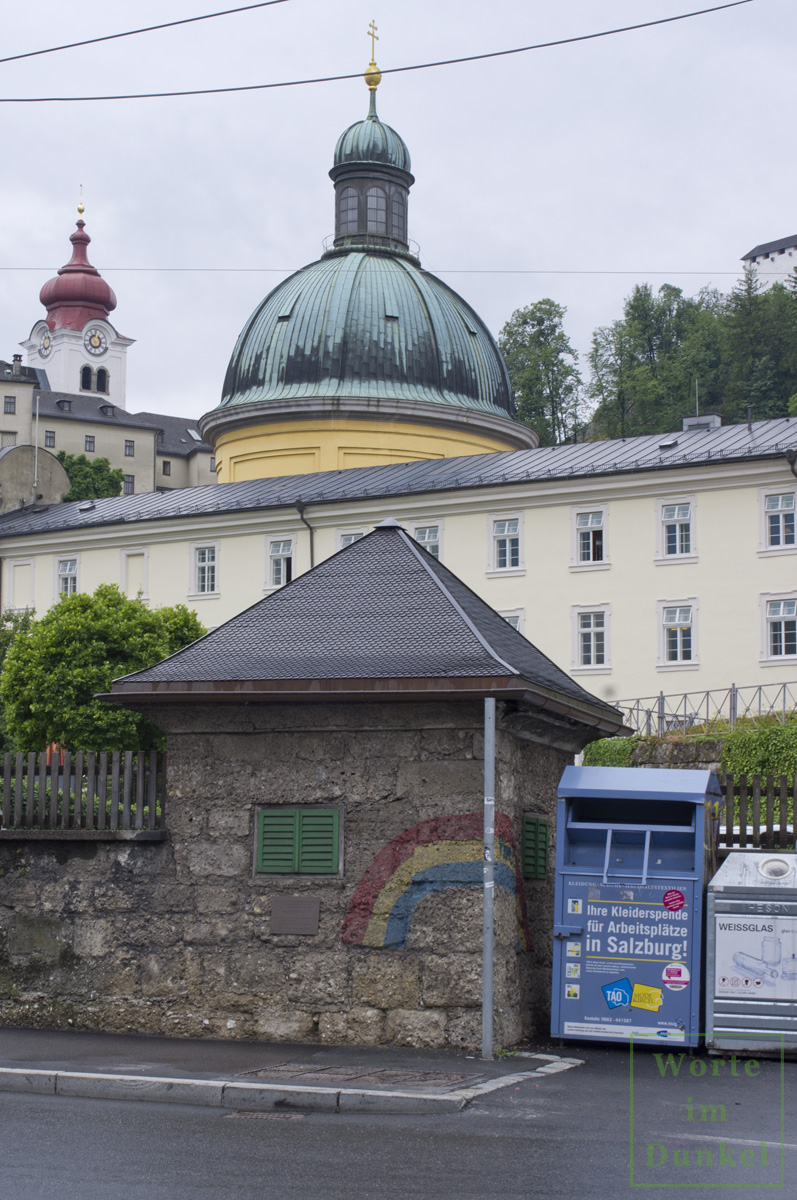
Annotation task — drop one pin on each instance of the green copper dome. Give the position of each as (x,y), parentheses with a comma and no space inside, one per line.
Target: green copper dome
(369,324)
(371,141)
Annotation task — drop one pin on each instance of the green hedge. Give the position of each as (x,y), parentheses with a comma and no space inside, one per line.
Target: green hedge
(771,749)
(610,752)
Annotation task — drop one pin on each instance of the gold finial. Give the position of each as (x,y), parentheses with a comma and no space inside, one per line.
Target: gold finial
(81,208)
(373,76)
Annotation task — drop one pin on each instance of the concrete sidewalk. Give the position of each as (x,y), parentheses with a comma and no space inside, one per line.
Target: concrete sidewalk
(259,1076)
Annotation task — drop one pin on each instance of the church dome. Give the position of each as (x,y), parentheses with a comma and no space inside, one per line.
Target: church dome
(362,358)
(367,324)
(78,293)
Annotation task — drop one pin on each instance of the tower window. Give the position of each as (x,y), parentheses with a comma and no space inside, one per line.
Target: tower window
(398,214)
(347,211)
(85,379)
(102,380)
(377,211)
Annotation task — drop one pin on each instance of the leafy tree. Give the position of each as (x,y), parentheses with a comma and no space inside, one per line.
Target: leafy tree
(12,625)
(91,479)
(543,371)
(735,350)
(52,673)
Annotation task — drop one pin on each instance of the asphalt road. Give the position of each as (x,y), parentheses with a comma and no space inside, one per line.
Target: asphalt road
(567,1136)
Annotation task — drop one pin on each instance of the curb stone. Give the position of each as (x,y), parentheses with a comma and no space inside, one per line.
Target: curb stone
(259,1097)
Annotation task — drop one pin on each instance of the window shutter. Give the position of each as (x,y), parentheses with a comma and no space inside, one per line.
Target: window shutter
(318,842)
(277,841)
(535,847)
(297,841)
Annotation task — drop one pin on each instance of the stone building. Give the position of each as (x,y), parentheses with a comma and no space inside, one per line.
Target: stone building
(321,876)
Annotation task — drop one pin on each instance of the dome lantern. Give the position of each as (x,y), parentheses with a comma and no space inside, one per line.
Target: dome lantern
(372,178)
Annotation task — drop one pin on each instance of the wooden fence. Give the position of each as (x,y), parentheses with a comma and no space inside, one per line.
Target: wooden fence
(757,813)
(91,797)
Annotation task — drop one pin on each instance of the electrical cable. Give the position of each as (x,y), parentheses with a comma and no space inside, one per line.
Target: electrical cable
(445,62)
(110,37)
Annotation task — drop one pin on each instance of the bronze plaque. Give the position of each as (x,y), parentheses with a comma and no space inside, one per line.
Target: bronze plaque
(295,914)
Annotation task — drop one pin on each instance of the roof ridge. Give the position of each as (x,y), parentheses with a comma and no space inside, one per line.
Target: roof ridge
(408,541)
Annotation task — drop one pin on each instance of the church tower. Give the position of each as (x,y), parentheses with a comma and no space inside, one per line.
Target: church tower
(76,344)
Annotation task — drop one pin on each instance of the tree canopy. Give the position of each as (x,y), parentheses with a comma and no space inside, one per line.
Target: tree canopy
(53,670)
(543,371)
(91,479)
(670,353)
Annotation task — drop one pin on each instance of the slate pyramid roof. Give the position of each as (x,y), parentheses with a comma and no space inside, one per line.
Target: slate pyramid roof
(381,618)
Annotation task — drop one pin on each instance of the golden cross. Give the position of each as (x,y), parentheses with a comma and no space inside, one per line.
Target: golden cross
(374,38)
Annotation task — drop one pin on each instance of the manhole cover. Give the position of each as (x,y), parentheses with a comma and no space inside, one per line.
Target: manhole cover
(367,1076)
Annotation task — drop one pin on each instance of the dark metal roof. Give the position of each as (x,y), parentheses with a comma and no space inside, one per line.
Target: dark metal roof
(176,440)
(367,324)
(771,247)
(382,609)
(545,464)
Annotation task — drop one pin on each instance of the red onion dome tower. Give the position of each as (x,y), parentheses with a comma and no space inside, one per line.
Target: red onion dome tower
(78,293)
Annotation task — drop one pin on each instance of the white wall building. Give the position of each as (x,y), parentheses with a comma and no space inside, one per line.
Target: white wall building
(654,564)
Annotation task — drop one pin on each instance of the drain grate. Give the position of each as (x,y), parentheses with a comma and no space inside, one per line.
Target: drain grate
(269,1116)
(386,1076)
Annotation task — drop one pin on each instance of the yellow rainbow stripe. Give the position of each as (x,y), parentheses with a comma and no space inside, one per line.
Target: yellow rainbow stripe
(434,854)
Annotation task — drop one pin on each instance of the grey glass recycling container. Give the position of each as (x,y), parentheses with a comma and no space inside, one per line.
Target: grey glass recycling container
(751,954)
(634,848)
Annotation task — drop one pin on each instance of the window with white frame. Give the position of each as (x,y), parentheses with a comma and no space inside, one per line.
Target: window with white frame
(205,570)
(677,633)
(506,544)
(590,537)
(779,511)
(588,542)
(346,539)
(428,536)
(781,628)
(591,637)
(676,522)
(280,562)
(67,576)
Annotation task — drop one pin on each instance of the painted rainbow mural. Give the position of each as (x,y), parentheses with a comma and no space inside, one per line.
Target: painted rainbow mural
(446,852)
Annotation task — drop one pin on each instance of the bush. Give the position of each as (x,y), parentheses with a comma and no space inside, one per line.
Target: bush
(54,670)
(771,749)
(610,752)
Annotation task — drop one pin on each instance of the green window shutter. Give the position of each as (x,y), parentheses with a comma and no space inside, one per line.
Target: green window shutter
(294,841)
(535,847)
(277,841)
(318,842)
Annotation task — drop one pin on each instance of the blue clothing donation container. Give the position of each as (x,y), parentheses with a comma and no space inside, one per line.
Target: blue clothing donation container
(634,847)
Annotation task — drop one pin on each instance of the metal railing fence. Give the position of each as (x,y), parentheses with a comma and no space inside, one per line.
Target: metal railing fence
(710,712)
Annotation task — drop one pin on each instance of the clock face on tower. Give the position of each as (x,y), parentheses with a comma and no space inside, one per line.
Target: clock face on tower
(45,344)
(95,340)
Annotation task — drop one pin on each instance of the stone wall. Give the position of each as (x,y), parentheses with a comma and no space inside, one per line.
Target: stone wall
(174,937)
(692,754)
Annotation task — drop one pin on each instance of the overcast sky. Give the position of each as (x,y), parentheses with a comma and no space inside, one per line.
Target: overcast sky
(573,172)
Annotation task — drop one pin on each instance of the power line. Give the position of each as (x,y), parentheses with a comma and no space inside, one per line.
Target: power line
(110,37)
(436,271)
(445,62)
